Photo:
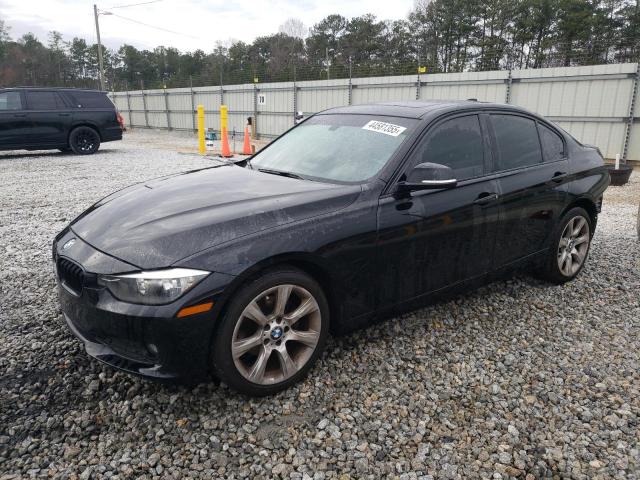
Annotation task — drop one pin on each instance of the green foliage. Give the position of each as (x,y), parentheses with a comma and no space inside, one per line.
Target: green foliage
(443,35)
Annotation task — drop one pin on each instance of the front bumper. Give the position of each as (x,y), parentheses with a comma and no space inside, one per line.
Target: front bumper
(141,339)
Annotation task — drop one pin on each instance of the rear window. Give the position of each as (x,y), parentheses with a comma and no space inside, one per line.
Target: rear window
(518,142)
(552,144)
(44,101)
(90,100)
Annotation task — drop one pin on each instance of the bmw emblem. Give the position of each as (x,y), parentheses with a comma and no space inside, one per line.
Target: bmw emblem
(69,244)
(276,333)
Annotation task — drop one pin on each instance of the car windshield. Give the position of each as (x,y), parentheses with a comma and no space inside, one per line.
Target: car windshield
(338,147)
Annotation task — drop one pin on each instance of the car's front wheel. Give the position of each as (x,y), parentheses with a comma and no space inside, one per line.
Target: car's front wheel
(84,140)
(273,331)
(569,247)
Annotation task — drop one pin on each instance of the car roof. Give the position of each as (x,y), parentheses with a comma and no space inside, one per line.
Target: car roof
(59,89)
(416,108)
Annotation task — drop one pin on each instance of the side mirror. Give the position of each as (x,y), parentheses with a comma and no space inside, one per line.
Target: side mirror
(428,176)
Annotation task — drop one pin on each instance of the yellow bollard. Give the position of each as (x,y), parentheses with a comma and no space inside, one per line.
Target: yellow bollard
(224,116)
(201,147)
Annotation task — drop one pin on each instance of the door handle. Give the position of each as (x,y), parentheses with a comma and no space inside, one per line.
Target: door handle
(64,114)
(558,177)
(20,115)
(485,198)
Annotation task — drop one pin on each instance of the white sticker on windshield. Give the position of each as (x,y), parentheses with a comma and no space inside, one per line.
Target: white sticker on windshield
(386,128)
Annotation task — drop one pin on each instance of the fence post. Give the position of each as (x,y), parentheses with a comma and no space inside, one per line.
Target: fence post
(418,84)
(166,108)
(255,108)
(507,97)
(632,113)
(193,105)
(126,84)
(295,96)
(350,83)
(144,104)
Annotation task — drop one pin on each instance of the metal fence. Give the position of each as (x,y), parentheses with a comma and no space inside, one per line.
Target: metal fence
(596,104)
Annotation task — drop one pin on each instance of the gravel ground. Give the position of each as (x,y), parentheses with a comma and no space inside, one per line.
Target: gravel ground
(518,379)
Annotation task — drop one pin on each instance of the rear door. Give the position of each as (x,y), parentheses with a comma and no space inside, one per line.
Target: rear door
(50,117)
(14,120)
(432,239)
(531,169)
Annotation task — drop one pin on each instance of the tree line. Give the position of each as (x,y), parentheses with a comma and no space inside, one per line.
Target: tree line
(439,35)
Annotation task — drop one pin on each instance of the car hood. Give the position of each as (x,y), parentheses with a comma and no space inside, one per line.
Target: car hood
(156,223)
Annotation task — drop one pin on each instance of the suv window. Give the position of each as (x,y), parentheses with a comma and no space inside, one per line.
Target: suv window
(552,144)
(10,101)
(456,143)
(517,141)
(44,101)
(83,99)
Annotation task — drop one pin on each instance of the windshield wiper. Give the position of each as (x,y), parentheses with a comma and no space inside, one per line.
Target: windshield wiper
(281,173)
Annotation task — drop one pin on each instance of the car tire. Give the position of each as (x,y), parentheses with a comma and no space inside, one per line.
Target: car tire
(569,248)
(271,333)
(84,140)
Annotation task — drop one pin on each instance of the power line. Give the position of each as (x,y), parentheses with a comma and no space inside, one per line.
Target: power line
(153,26)
(134,4)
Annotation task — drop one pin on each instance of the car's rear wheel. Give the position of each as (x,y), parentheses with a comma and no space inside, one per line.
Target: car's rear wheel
(84,140)
(272,333)
(569,247)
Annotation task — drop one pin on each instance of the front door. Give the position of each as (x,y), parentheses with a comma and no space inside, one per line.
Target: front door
(14,120)
(432,239)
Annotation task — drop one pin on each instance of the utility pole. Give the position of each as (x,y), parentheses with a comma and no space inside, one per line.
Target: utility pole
(326,51)
(100,61)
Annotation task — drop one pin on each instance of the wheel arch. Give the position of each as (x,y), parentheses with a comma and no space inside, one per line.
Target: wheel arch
(588,205)
(311,264)
(84,123)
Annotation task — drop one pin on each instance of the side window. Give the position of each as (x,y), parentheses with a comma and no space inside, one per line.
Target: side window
(44,101)
(517,141)
(82,99)
(456,143)
(10,101)
(552,144)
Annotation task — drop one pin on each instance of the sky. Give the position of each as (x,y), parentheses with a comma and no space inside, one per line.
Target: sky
(197,23)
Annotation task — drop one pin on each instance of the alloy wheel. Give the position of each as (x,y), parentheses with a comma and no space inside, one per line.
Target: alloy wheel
(276,334)
(574,245)
(86,141)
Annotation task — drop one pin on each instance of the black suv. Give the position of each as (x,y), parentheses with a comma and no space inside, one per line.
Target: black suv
(63,118)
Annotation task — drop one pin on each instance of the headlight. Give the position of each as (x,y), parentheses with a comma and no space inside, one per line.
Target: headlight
(152,287)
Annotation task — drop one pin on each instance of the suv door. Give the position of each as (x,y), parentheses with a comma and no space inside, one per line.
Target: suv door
(14,120)
(532,180)
(50,117)
(431,239)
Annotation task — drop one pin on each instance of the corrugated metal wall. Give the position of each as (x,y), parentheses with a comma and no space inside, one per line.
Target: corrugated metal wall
(593,103)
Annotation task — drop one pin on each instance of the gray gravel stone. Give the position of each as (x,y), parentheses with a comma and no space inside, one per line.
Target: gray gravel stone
(519,379)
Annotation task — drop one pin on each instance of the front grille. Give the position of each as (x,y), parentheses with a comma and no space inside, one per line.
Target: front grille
(71,274)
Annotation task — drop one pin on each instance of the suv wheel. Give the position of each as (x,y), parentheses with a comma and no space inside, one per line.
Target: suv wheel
(84,140)
(569,247)
(272,333)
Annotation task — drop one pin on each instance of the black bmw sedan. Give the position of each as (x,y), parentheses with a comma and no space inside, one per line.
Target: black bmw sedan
(241,271)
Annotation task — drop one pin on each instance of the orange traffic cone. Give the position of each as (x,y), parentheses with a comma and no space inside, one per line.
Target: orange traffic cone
(246,148)
(226,152)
